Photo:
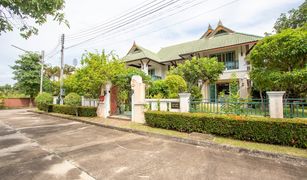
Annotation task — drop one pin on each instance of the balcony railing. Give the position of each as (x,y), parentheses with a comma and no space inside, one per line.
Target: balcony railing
(232,65)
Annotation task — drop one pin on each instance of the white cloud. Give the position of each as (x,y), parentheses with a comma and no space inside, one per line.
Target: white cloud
(253,16)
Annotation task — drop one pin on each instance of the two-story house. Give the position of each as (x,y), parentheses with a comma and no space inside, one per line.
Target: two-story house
(223,43)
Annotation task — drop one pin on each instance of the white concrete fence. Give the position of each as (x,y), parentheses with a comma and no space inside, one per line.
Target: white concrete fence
(139,104)
(84,101)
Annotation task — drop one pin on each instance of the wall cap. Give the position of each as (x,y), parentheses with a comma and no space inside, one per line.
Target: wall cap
(276,93)
(184,94)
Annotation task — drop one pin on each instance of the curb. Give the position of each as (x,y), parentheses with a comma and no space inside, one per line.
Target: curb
(257,153)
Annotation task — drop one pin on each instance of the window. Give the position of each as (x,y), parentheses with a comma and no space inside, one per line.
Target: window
(151,72)
(228,58)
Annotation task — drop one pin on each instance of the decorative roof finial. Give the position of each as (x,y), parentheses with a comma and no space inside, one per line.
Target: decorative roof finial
(209,27)
(220,23)
(134,43)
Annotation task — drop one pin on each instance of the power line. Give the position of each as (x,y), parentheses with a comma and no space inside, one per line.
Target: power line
(132,10)
(125,23)
(179,22)
(167,16)
(54,49)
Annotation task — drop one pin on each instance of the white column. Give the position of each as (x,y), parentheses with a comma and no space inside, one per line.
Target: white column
(138,99)
(276,103)
(103,109)
(145,66)
(205,90)
(184,100)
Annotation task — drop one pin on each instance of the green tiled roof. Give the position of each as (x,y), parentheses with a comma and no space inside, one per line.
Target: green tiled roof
(141,54)
(174,52)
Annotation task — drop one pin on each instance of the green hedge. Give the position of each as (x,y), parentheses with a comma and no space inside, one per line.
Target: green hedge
(290,132)
(70,110)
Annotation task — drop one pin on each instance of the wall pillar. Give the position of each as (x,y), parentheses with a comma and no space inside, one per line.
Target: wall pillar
(137,99)
(205,90)
(103,109)
(276,103)
(243,88)
(144,66)
(184,100)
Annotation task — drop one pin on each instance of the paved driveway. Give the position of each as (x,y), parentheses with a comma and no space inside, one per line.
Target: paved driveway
(35,146)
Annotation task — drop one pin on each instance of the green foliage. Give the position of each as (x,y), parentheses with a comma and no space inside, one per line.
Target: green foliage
(196,93)
(8,91)
(289,132)
(72,99)
(42,101)
(70,110)
(159,89)
(294,19)
(280,60)
(176,84)
(54,72)
(233,104)
(87,111)
(16,13)
(97,69)
(205,69)
(27,73)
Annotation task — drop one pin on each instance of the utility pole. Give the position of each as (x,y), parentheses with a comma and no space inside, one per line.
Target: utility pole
(62,69)
(42,71)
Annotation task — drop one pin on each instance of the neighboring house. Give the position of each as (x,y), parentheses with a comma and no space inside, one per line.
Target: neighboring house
(227,45)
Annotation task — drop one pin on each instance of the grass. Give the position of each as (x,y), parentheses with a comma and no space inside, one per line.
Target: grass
(263,147)
(145,128)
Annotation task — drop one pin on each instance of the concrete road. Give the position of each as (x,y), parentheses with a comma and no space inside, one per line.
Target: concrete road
(35,146)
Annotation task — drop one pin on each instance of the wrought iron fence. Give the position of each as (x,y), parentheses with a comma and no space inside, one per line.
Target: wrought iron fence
(295,108)
(255,107)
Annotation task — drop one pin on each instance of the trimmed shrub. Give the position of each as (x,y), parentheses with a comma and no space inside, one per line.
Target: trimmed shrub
(42,101)
(71,110)
(87,111)
(289,132)
(72,99)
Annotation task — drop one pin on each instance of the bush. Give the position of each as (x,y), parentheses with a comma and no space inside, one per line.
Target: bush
(71,110)
(176,84)
(42,101)
(290,132)
(196,93)
(159,89)
(72,99)
(87,111)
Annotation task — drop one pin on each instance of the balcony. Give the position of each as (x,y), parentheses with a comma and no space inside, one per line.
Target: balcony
(230,65)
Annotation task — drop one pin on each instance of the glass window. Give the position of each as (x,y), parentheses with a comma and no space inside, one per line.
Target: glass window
(228,58)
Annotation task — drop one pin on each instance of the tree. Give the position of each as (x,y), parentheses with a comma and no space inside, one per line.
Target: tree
(55,71)
(280,60)
(97,69)
(27,73)
(15,13)
(204,69)
(294,19)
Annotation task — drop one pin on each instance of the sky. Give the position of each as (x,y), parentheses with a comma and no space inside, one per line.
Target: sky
(185,20)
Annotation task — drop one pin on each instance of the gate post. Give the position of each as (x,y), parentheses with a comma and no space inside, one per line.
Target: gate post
(276,104)
(103,109)
(137,99)
(184,100)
